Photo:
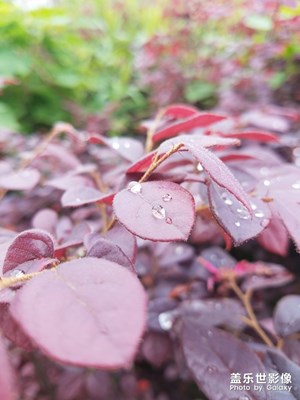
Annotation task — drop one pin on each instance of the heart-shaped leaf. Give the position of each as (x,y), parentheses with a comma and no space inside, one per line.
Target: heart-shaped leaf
(287,315)
(78,313)
(159,211)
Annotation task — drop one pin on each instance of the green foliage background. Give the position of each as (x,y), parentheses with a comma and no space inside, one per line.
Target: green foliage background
(72,60)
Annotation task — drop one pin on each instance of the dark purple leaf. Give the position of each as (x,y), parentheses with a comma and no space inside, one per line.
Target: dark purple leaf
(103,248)
(124,239)
(157,348)
(234,217)
(159,211)
(275,276)
(212,355)
(287,315)
(78,313)
(276,362)
(29,245)
(215,312)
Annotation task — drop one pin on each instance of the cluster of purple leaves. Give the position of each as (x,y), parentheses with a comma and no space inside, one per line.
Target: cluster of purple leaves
(104,264)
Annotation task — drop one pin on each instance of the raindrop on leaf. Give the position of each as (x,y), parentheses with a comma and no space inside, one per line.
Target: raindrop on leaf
(158,211)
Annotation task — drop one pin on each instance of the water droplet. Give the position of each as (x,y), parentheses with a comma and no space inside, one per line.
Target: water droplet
(199,167)
(238,224)
(226,199)
(115,145)
(16,273)
(158,211)
(135,187)
(167,197)
(264,171)
(267,183)
(264,223)
(179,250)
(211,368)
(169,220)
(296,185)
(253,206)
(127,145)
(243,213)
(209,333)
(78,199)
(259,214)
(166,320)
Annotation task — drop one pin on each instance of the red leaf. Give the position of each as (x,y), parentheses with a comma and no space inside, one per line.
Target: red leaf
(258,136)
(180,111)
(87,312)
(7,378)
(159,211)
(275,238)
(29,245)
(195,121)
(142,164)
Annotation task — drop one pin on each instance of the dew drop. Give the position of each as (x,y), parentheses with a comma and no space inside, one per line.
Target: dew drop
(226,199)
(166,320)
(211,368)
(267,183)
(169,220)
(296,185)
(238,224)
(115,145)
(265,223)
(127,145)
(16,273)
(78,199)
(135,187)
(253,206)
(259,214)
(158,211)
(243,213)
(179,250)
(167,197)
(199,167)
(209,333)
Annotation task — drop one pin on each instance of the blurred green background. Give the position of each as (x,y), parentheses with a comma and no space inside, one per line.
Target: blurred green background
(105,64)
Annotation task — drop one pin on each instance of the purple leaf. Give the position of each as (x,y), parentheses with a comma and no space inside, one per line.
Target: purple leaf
(7,378)
(124,239)
(287,315)
(87,312)
(212,355)
(45,219)
(157,348)
(27,246)
(234,217)
(26,179)
(79,196)
(103,248)
(276,362)
(275,276)
(159,211)
(215,312)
